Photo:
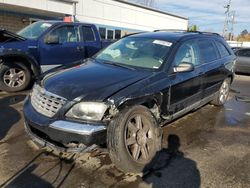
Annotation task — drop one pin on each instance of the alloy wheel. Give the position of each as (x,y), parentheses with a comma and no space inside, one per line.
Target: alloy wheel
(224,92)
(139,138)
(14,77)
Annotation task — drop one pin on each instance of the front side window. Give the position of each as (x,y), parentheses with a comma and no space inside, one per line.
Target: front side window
(137,52)
(207,51)
(66,34)
(188,53)
(34,30)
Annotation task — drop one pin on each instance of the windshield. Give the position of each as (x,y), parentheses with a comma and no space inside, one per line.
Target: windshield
(137,52)
(34,30)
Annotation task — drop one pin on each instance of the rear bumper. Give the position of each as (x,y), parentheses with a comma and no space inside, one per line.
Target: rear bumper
(62,135)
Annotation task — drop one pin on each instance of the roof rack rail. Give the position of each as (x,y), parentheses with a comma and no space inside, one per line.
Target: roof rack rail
(176,30)
(205,32)
(182,30)
(127,35)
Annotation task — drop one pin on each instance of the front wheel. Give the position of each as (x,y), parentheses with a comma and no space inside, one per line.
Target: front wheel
(14,77)
(133,138)
(222,95)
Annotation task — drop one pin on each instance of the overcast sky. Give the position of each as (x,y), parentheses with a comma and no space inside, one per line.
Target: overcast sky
(209,15)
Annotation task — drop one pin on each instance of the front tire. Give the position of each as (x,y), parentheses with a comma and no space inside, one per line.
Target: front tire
(133,138)
(222,95)
(14,77)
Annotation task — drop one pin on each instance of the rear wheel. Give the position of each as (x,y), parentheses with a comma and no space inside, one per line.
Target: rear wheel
(222,95)
(14,77)
(133,139)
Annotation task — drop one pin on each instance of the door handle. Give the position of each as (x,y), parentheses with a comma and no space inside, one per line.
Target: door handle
(80,48)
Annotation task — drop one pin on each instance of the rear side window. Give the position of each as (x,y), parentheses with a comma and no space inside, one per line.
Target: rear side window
(244,53)
(222,49)
(207,51)
(88,34)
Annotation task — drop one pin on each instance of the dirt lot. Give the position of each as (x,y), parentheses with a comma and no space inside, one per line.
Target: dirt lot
(214,151)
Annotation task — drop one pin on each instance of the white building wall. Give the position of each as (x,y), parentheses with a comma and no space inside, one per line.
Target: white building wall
(44,5)
(103,12)
(118,14)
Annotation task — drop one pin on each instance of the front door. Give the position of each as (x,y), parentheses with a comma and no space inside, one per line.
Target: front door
(186,87)
(65,51)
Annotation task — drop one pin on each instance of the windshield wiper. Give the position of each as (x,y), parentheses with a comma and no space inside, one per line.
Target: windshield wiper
(116,64)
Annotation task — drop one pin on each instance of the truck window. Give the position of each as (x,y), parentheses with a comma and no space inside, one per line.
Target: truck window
(117,34)
(102,32)
(66,34)
(88,33)
(110,34)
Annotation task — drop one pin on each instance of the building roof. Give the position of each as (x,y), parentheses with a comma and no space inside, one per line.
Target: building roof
(150,8)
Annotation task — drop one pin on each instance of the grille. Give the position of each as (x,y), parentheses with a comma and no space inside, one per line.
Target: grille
(45,102)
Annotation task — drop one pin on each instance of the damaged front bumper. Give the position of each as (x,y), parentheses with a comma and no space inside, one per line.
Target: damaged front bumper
(63,135)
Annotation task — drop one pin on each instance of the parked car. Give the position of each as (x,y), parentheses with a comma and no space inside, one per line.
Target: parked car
(44,45)
(242,64)
(124,94)
(236,48)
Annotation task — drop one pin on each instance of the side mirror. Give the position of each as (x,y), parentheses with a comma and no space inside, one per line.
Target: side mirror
(52,39)
(184,67)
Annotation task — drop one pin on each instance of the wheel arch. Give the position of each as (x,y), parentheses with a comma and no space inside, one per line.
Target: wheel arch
(29,61)
(152,102)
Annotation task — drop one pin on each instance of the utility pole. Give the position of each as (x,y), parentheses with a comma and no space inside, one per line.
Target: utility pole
(232,25)
(228,30)
(227,13)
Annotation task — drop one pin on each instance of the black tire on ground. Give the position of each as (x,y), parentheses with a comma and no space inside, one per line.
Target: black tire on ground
(133,139)
(222,95)
(14,76)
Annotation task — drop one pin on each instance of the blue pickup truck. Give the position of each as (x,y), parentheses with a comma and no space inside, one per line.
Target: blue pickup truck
(42,46)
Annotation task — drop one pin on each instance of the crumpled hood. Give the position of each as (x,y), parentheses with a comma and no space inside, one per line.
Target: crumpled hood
(7,36)
(91,81)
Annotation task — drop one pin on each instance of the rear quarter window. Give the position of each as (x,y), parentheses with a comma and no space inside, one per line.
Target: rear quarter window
(222,49)
(208,51)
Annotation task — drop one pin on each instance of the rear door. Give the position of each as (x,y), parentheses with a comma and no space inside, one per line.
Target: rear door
(66,51)
(90,40)
(213,65)
(186,86)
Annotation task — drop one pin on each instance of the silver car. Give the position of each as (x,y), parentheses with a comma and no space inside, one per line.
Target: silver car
(243,61)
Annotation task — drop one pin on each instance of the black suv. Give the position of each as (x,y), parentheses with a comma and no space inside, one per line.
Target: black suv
(125,93)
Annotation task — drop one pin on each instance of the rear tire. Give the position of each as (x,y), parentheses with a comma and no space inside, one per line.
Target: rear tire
(133,139)
(222,95)
(14,77)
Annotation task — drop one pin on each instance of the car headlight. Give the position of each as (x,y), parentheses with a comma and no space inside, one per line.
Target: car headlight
(87,111)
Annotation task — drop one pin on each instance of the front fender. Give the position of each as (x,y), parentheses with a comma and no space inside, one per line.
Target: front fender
(6,55)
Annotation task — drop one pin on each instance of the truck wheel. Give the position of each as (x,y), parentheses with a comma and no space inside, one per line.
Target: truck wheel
(222,95)
(133,138)
(14,77)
